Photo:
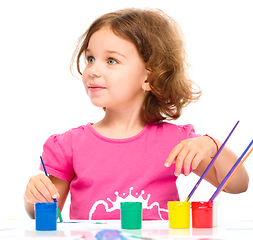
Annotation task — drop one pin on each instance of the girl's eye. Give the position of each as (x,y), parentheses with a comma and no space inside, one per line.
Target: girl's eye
(112,61)
(90,60)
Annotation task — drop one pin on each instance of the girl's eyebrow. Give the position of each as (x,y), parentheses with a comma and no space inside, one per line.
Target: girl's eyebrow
(110,51)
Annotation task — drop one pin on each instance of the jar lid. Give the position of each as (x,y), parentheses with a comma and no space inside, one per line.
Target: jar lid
(131,205)
(45,206)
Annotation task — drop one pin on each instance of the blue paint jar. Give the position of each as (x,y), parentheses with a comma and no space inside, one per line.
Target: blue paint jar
(46,216)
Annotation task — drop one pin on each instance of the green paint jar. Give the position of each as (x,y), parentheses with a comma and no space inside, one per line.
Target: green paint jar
(131,215)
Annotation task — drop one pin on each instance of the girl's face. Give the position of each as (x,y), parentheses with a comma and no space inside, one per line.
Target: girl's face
(115,74)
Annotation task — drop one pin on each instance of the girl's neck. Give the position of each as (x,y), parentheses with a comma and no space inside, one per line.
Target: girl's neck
(120,126)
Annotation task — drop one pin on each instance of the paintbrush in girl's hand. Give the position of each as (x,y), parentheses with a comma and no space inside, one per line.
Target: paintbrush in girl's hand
(210,164)
(59,212)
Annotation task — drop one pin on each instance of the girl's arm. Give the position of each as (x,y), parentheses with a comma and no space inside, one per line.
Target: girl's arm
(41,188)
(222,165)
(197,152)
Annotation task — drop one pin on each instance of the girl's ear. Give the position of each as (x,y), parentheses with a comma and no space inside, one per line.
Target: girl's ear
(145,85)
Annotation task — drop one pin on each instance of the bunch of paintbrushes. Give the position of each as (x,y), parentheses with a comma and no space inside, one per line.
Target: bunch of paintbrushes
(230,174)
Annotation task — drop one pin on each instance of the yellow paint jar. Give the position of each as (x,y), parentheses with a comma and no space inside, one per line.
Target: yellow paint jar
(179,214)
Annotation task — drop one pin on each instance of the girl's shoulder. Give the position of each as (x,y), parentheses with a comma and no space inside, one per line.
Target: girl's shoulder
(174,130)
(71,133)
(173,127)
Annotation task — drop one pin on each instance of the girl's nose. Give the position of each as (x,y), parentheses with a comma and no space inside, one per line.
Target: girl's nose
(93,71)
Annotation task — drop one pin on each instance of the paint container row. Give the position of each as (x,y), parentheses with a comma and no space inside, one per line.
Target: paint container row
(131,215)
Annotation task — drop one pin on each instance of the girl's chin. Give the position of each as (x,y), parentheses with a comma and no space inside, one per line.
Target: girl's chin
(97,104)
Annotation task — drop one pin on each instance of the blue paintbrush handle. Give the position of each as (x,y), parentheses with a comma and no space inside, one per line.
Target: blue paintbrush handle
(59,212)
(43,166)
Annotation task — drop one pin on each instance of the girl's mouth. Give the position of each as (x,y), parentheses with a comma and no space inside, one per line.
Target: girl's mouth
(95,88)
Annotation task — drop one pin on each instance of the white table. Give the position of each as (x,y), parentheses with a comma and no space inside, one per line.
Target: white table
(25,229)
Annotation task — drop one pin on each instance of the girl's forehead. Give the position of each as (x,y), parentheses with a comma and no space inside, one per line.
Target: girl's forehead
(103,35)
(106,39)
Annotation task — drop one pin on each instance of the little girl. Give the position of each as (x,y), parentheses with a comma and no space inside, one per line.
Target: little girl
(135,70)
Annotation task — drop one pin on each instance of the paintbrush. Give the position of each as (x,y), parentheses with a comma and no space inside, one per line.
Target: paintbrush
(210,164)
(232,172)
(59,212)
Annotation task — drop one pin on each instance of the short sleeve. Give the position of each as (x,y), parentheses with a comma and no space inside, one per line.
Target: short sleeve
(57,156)
(188,131)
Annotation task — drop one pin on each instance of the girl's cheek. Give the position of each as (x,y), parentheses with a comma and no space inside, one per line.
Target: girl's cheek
(84,77)
(84,80)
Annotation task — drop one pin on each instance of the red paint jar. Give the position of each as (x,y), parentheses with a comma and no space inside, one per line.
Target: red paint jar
(202,214)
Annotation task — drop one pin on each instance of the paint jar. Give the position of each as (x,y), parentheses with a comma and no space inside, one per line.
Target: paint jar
(202,214)
(179,214)
(131,215)
(46,216)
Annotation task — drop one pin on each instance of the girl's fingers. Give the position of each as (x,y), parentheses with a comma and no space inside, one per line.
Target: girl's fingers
(197,159)
(32,195)
(188,162)
(37,196)
(43,190)
(172,158)
(180,160)
(40,189)
(53,193)
(188,153)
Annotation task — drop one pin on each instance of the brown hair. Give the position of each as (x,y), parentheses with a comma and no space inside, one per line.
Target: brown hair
(159,41)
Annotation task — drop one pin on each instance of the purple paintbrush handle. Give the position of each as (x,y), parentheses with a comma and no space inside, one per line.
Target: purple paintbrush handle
(211,163)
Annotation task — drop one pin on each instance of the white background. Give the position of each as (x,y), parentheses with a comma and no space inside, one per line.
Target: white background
(39,96)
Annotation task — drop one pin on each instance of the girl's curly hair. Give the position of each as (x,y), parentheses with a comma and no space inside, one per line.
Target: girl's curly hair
(160,43)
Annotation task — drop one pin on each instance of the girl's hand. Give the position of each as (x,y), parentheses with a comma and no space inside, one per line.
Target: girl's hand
(189,153)
(40,189)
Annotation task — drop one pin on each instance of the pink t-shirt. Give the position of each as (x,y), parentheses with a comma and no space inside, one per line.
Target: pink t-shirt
(104,172)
